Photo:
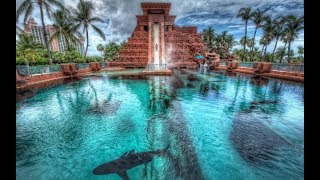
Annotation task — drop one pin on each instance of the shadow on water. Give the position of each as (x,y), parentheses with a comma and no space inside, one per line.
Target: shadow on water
(254,140)
(182,155)
(259,81)
(31,90)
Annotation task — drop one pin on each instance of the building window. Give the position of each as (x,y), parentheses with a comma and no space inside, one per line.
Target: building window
(145,28)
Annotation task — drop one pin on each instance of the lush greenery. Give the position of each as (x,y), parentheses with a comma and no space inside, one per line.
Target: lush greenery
(29,52)
(67,23)
(112,50)
(83,16)
(28,6)
(283,28)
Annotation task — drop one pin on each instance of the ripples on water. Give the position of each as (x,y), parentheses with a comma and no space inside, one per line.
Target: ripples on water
(219,126)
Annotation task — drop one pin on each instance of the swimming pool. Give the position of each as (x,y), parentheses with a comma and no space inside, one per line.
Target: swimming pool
(219,126)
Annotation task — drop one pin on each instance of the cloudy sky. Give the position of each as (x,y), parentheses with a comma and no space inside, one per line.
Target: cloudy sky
(120,16)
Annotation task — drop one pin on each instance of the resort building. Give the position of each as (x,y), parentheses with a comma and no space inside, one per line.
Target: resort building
(157,41)
(57,44)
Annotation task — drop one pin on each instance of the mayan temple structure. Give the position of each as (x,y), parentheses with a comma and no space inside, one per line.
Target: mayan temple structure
(157,43)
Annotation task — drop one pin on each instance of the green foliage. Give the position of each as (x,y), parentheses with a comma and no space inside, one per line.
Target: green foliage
(83,16)
(58,57)
(112,50)
(35,56)
(74,57)
(93,59)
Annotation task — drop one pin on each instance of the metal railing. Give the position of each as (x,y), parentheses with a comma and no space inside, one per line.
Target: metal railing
(103,64)
(288,67)
(23,70)
(82,65)
(152,67)
(246,64)
(44,69)
(35,70)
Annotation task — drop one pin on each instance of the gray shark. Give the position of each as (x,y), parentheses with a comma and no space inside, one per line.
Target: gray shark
(127,161)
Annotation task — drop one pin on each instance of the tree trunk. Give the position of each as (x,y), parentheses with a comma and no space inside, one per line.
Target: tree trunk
(274,49)
(245,39)
(262,52)
(285,45)
(45,34)
(254,37)
(87,36)
(265,52)
(289,51)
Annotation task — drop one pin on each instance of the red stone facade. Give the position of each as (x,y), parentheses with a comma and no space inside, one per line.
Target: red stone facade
(177,45)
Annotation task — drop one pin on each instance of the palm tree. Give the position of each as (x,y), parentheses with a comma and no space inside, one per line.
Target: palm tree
(221,40)
(100,48)
(281,52)
(257,17)
(83,16)
(27,8)
(18,29)
(284,38)
(25,42)
(230,42)
(267,37)
(278,25)
(264,41)
(64,28)
(300,51)
(294,25)
(208,37)
(245,15)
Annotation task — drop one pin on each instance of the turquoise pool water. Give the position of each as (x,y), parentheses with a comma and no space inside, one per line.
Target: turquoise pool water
(218,125)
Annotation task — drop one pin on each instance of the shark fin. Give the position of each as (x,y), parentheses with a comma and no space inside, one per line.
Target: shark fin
(131,152)
(123,175)
(124,155)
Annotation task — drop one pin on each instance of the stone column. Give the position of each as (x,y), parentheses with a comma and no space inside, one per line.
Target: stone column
(150,44)
(162,49)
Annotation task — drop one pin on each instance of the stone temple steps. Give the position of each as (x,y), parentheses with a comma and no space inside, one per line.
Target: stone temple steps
(179,47)
(131,59)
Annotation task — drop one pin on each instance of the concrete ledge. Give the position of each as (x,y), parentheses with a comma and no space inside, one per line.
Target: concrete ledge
(113,69)
(283,76)
(157,72)
(286,75)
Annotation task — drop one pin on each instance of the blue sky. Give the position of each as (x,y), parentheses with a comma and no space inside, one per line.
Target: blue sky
(120,17)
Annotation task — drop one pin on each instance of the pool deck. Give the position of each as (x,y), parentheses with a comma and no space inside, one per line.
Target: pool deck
(48,79)
(157,72)
(291,76)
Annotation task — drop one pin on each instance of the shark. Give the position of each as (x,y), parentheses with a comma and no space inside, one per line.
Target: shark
(127,161)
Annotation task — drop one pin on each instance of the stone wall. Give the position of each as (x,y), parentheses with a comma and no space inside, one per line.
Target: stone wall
(178,45)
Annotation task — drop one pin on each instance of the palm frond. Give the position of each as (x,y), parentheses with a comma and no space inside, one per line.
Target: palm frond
(56,3)
(23,7)
(99,31)
(95,19)
(55,35)
(28,13)
(48,9)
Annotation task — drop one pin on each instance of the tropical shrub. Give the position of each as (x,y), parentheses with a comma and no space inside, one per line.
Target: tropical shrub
(111,51)
(36,56)
(74,57)
(58,58)
(93,59)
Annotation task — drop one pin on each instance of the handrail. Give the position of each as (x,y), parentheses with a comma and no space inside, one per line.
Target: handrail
(156,67)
